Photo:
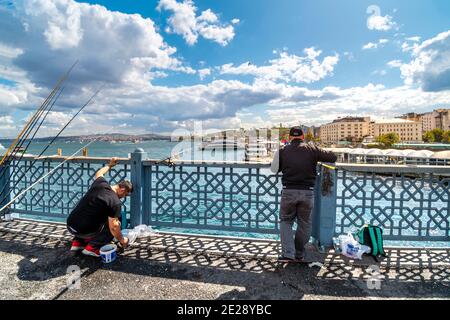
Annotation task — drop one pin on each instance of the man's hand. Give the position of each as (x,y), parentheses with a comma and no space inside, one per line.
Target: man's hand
(112,162)
(106,168)
(125,242)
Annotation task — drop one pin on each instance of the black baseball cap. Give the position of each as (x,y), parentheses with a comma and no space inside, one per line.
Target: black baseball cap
(296,132)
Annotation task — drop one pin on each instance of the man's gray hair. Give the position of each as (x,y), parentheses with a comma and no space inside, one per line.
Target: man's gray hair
(126,185)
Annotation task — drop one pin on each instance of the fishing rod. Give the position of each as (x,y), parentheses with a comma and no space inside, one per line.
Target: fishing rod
(18,147)
(34,117)
(48,145)
(30,140)
(31,128)
(47,174)
(43,177)
(16,144)
(168,161)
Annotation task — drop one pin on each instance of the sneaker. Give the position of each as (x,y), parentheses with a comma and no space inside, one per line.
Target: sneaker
(77,245)
(91,251)
(285,259)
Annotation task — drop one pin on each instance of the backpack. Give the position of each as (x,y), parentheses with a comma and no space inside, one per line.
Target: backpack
(371,236)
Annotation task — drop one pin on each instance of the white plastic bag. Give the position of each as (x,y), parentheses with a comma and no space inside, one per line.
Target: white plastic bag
(140,231)
(143,231)
(130,234)
(352,248)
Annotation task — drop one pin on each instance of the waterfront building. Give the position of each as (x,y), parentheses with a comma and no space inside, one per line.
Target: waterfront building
(407,130)
(348,128)
(436,119)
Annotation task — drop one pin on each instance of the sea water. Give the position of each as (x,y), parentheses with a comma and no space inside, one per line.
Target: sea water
(160,149)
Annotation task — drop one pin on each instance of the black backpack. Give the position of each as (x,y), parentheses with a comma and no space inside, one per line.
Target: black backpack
(371,236)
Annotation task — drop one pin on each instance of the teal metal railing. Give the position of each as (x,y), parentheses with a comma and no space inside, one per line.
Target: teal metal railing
(409,202)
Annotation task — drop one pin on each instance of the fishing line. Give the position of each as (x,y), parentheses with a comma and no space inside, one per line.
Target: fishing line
(50,172)
(19,145)
(33,118)
(44,176)
(48,145)
(29,141)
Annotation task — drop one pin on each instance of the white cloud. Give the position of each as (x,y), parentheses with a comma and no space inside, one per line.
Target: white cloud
(349,56)
(204,73)
(370,45)
(112,47)
(208,16)
(288,67)
(186,23)
(6,127)
(371,100)
(410,43)
(375,45)
(9,52)
(395,63)
(380,23)
(63,30)
(379,72)
(12,96)
(430,67)
(130,96)
(414,39)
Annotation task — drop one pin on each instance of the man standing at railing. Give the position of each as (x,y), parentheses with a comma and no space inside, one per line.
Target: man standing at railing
(95,220)
(297,161)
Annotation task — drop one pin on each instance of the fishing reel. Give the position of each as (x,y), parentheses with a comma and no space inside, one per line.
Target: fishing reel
(168,162)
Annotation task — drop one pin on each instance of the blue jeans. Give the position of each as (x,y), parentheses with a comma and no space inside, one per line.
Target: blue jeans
(296,205)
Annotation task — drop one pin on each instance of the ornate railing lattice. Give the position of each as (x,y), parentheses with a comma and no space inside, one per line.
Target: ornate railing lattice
(410,203)
(407,206)
(58,194)
(236,198)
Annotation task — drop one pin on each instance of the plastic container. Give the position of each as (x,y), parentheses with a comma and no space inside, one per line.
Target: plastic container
(108,253)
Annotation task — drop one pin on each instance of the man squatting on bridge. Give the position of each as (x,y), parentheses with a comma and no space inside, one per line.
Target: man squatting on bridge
(297,161)
(95,220)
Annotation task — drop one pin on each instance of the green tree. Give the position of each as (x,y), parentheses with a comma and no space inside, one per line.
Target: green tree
(309,136)
(435,135)
(429,137)
(438,134)
(446,137)
(388,139)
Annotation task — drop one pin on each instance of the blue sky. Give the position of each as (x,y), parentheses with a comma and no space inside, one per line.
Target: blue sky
(227,63)
(330,25)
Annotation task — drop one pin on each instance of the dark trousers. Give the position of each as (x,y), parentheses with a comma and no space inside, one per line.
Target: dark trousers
(96,239)
(296,205)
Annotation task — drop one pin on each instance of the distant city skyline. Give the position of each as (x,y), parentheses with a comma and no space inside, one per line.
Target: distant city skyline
(166,64)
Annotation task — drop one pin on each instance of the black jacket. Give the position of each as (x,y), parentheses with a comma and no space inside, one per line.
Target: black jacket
(298,162)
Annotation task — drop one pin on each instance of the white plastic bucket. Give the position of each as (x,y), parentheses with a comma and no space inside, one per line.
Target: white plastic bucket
(108,253)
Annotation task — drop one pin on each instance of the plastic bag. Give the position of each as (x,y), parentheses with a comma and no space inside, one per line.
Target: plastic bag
(143,231)
(140,231)
(352,248)
(130,234)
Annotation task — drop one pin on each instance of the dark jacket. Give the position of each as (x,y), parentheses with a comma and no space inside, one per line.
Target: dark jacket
(298,162)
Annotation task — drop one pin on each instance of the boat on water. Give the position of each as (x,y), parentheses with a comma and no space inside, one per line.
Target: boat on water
(260,150)
(18,149)
(222,144)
